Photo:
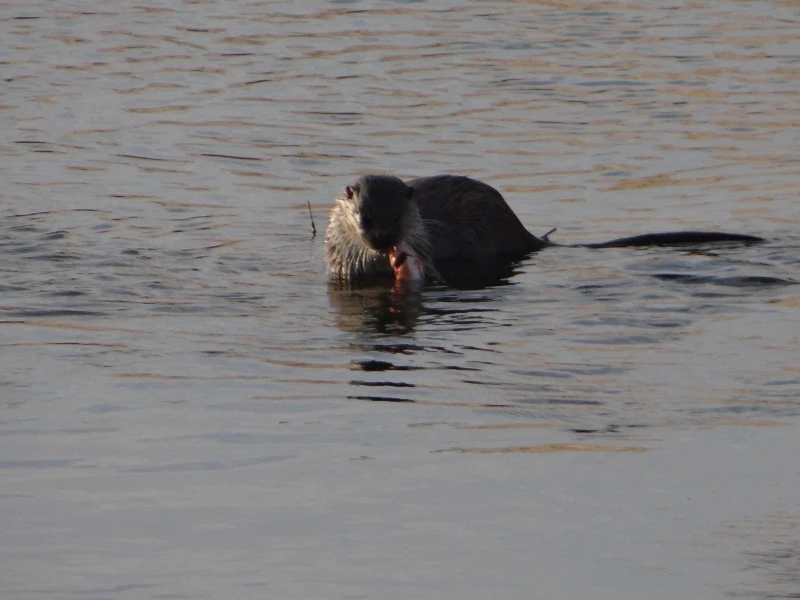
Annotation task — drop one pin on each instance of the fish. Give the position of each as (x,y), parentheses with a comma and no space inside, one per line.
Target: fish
(406,266)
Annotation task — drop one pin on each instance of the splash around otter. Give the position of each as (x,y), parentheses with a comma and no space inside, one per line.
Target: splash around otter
(379,222)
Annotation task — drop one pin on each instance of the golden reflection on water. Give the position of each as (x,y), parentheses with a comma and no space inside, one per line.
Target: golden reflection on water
(158,163)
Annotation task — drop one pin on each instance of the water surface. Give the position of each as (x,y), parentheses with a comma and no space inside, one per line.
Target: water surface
(188,409)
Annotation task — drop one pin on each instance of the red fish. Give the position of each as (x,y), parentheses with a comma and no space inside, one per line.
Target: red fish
(407,267)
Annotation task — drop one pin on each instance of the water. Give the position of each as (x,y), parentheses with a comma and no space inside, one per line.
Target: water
(189,409)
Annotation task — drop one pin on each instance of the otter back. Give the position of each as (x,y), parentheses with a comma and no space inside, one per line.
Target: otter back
(467,220)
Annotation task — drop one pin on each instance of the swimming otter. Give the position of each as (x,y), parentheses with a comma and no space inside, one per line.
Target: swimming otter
(443,220)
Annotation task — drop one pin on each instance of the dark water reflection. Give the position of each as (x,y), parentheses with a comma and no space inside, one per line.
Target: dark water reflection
(382,308)
(188,408)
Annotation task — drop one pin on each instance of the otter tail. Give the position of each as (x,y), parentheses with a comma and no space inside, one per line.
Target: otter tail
(675,238)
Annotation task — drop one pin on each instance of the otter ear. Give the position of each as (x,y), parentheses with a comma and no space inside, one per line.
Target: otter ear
(410,193)
(352,191)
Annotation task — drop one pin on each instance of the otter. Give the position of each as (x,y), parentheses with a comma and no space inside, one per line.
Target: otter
(378,221)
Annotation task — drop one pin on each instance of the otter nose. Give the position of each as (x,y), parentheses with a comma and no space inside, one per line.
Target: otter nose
(381,241)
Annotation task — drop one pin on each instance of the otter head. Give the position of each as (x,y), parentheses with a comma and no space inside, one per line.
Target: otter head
(373,216)
(378,206)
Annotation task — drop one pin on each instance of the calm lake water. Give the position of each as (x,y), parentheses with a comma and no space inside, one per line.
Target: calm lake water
(188,409)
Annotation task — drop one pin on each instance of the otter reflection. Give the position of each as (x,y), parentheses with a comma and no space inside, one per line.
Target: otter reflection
(387,306)
(379,308)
